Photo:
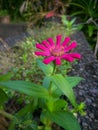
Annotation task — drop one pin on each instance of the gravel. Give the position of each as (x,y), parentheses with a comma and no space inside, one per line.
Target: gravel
(87,90)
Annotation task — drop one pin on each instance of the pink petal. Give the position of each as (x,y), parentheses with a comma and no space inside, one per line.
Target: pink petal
(75,55)
(42,53)
(58,40)
(49,59)
(44,42)
(41,47)
(50,40)
(68,58)
(66,41)
(58,61)
(70,47)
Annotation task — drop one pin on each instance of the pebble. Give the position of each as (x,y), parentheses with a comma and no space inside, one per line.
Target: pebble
(91,115)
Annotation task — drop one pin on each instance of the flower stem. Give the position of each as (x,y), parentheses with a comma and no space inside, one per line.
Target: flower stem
(54,68)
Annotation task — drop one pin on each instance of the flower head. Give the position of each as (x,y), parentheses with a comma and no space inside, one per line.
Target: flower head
(57,51)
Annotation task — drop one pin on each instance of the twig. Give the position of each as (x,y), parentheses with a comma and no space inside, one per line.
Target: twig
(96,47)
(7,115)
(90,20)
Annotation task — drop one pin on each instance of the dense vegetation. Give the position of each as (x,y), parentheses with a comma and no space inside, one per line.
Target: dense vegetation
(35,12)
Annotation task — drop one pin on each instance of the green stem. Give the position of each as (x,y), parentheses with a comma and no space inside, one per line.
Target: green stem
(54,70)
(50,87)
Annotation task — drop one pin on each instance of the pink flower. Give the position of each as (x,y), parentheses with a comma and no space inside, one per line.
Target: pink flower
(50,14)
(58,51)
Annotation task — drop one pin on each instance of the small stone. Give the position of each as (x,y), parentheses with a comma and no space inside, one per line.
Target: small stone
(94,105)
(91,115)
(89,101)
(84,124)
(80,93)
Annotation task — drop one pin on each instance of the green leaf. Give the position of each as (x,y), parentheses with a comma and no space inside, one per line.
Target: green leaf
(77,13)
(73,81)
(64,86)
(27,109)
(25,87)
(12,124)
(64,119)
(60,104)
(47,69)
(90,30)
(78,5)
(46,82)
(6,77)
(54,89)
(64,20)
(73,21)
(3,97)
